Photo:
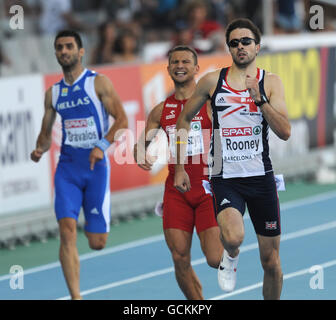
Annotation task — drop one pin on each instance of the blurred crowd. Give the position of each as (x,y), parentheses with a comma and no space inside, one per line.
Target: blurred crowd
(123,27)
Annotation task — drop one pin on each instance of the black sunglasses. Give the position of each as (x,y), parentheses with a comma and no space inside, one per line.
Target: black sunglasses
(245,41)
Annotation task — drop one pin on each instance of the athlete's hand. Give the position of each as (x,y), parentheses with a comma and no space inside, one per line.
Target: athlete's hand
(181,180)
(95,155)
(36,154)
(252,84)
(144,161)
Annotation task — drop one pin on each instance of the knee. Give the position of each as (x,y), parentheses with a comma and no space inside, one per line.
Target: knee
(97,244)
(213,257)
(181,259)
(271,263)
(213,261)
(68,233)
(233,240)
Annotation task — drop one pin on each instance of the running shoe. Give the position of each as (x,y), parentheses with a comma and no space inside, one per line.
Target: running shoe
(227,272)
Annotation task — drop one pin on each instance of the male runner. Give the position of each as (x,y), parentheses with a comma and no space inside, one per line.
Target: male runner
(181,212)
(245,101)
(84,101)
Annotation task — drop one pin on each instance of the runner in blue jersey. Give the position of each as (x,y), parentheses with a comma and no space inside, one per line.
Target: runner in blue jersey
(84,100)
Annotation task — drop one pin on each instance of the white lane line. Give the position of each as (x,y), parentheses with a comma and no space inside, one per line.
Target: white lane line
(128,245)
(285,206)
(288,205)
(134,279)
(260,284)
(123,282)
(252,246)
(307,201)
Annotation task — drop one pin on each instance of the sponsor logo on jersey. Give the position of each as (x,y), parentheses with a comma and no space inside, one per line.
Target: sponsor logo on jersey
(171,128)
(171,115)
(225,201)
(257,130)
(78,123)
(195,126)
(171,105)
(237,132)
(94,211)
(221,101)
(76,88)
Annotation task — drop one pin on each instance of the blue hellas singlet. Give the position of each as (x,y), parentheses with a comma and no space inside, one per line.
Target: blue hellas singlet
(84,123)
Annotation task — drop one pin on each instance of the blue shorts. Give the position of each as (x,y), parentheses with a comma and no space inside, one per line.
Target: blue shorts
(77,186)
(260,195)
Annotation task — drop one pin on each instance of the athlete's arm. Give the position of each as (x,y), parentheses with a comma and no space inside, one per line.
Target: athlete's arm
(202,93)
(275,112)
(112,103)
(44,138)
(151,129)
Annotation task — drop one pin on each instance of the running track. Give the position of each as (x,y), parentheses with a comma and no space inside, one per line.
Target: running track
(141,269)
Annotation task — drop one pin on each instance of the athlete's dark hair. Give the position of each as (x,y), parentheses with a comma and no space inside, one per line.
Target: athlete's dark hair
(69,33)
(183,48)
(243,23)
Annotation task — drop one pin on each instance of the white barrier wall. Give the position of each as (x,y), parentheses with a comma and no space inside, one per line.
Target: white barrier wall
(24,184)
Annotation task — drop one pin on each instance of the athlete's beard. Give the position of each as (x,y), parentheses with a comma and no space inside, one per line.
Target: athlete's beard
(69,66)
(243,65)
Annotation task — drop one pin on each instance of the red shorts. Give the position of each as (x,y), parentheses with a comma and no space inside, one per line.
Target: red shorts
(183,211)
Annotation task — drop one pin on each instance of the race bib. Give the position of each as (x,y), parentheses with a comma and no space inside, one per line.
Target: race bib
(195,139)
(81,133)
(241,143)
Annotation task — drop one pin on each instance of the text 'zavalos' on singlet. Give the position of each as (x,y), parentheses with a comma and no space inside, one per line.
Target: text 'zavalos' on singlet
(84,118)
(239,144)
(198,138)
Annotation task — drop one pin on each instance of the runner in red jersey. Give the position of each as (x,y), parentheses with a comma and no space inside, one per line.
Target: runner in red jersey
(183,212)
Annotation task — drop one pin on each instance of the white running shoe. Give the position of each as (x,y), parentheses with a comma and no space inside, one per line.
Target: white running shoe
(227,272)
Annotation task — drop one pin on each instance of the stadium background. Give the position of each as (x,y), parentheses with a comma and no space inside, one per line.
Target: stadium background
(304,58)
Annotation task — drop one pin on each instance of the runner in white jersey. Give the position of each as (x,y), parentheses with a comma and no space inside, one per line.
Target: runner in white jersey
(246,102)
(242,131)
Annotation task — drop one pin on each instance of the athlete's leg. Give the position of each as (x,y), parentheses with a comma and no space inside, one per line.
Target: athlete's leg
(97,205)
(68,200)
(178,225)
(231,225)
(206,224)
(270,260)
(68,255)
(179,244)
(211,246)
(264,210)
(230,206)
